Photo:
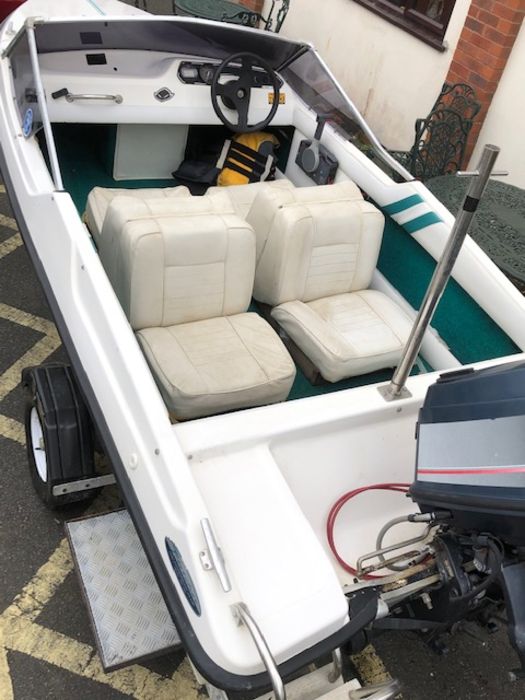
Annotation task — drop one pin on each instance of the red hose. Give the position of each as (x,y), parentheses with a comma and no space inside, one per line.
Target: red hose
(330,523)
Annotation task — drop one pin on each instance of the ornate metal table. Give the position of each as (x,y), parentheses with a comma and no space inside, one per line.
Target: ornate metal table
(219,10)
(499,224)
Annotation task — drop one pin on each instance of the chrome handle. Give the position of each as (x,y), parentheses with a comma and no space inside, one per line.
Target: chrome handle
(70,97)
(382,691)
(243,614)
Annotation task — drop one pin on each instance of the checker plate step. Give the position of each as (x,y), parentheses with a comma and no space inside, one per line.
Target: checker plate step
(130,618)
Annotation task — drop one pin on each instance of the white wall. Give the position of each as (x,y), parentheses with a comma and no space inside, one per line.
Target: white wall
(391,76)
(504,122)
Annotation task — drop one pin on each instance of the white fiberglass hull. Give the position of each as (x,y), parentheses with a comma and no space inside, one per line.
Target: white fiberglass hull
(263,477)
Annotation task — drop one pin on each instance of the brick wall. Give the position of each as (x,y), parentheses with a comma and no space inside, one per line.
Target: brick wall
(482,52)
(256,5)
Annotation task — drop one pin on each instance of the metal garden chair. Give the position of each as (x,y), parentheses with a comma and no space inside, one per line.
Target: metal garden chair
(441,138)
(252,19)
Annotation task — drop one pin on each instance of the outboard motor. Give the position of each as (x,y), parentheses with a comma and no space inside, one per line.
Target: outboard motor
(470,474)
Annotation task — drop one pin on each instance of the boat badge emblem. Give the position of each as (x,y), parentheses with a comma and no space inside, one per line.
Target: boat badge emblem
(27,123)
(164,94)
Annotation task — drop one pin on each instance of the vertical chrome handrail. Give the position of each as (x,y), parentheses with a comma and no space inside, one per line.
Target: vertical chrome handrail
(41,97)
(337,666)
(262,647)
(442,273)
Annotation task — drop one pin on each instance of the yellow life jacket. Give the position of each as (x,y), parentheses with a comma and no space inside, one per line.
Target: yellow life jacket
(244,163)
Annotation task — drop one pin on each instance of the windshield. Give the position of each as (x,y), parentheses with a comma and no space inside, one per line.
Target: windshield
(298,63)
(178,35)
(316,86)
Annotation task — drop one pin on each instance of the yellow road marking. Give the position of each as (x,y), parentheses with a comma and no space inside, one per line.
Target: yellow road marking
(22,635)
(35,356)
(23,318)
(6,687)
(12,429)
(10,244)
(31,600)
(2,188)
(370,667)
(42,587)
(8,221)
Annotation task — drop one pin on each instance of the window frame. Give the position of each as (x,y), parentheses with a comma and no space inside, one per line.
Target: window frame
(408,18)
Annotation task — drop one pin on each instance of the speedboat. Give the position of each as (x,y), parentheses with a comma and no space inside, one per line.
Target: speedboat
(234,280)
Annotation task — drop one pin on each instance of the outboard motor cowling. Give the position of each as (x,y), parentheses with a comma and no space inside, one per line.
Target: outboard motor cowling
(471,451)
(470,471)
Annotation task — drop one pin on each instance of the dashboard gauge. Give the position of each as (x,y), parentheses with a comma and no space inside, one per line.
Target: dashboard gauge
(206,72)
(189,73)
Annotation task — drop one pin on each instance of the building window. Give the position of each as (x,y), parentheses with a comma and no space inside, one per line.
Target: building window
(426,19)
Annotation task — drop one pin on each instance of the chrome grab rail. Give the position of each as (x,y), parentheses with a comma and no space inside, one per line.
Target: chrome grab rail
(243,615)
(337,667)
(442,273)
(381,691)
(71,97)
(41,99)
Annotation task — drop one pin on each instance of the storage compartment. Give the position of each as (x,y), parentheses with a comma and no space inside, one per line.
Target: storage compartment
(148,151)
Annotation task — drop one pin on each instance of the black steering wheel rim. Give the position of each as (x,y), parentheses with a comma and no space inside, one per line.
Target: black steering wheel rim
(238,92)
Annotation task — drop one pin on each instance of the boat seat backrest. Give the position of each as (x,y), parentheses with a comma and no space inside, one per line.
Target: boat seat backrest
(314,244)
(100,198)
(124,209)
(243,196)
(173,270)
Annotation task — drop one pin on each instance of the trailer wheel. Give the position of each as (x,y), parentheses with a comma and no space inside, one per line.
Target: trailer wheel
(58,435)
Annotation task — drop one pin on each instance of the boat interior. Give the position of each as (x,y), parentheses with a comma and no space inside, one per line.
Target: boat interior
(138,139)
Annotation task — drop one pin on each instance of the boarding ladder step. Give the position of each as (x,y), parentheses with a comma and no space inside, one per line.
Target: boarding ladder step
(129,616)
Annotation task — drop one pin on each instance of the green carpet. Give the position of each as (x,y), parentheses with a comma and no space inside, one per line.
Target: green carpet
(85,153)
(469,332)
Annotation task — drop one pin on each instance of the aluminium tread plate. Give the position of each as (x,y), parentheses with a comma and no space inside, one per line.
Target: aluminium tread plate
(129,616)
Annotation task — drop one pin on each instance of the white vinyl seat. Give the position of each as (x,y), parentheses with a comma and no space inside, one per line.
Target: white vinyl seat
(317,249)
(124,209)
(185,283)
(243,196)
(100,198)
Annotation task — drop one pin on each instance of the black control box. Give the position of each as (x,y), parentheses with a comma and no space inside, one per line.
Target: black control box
(317,162)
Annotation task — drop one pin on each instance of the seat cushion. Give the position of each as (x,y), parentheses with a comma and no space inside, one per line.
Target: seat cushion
(218,365)
(347,334)
(100,198)
(242,196)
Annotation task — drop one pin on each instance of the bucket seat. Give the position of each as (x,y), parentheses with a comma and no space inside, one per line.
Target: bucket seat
(317,248)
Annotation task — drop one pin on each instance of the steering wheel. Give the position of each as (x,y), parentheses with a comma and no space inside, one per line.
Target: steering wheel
(235,94)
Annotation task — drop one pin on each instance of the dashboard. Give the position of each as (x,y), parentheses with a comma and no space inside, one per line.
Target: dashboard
(138,87)
(191,72)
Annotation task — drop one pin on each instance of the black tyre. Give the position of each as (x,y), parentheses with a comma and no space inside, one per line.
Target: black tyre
(53,442)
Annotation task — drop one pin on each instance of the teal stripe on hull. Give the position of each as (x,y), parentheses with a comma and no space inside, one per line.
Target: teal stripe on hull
(402,204)
(421,222)
(97,8)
